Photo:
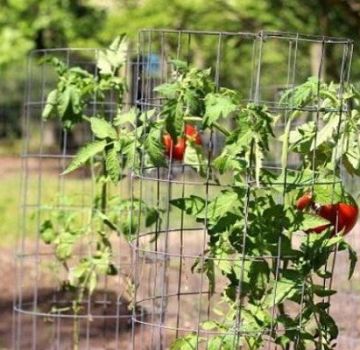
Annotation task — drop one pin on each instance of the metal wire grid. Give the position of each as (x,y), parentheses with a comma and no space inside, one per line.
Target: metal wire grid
(177,300)
(43,317)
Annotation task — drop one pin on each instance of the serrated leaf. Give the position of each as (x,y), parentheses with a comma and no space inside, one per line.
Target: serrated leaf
(85,154)
(102,129)
(112,58)
(352,256)
(152,216)
(65,243)
(64,100)
(167,90)
(51,102)
(126,117)
(155,148)
(188,342)
(192,205)
(311,221)
(173,112)
(320,291)
(284,289)
(225,202)
(218,106)
(194,157)
(113,165)
(47,232)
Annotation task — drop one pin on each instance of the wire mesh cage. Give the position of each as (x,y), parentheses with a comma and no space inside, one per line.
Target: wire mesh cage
(73,273)
(241,150)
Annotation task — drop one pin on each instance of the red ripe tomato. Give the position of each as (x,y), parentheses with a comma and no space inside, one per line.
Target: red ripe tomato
(342,216)
(304,201)
(192,133)
(178,150)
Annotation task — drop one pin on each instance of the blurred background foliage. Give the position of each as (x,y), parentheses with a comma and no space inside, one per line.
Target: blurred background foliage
(36,24)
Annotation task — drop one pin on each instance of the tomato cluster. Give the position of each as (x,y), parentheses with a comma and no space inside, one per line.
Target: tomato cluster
(177,151)
(342,216)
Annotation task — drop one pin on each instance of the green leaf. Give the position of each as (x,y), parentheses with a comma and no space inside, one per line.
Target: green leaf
(327,194)
(179,65)
(126,117)
(47,232)
(65,242)
(167,90)
(111,59)
(192,205)
(51,102)
(85,154)
(92,282)
(321,291)
(311,221)
(226,202)
(259,277)
(152,216)
(352,256)
(188,342)
(154,147)
(102,129)
(113,165)
(64,101)
(173,113)
(283,289)
(210,325)
(194,157)
(218,106)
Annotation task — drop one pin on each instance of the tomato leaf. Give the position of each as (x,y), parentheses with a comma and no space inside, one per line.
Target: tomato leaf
(193,205)
(85,154)
(50,105)
(102,129)
(112,164)
(218,105)
(194,157)
(154,146)
(311,221)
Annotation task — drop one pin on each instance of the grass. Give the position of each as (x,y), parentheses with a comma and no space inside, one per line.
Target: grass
(9,208)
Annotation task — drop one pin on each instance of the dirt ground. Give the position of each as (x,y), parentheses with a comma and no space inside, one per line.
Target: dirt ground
(345,305)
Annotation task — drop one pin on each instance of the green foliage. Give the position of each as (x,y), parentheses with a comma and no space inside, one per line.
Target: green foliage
(247,221)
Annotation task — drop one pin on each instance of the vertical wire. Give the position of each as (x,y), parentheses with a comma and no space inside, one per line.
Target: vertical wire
(341,110)
(23,203)
(135,249)
(290,76)
(253,69)
(38,217)
(207,196)
(317,120)
(248,179)
(181,246)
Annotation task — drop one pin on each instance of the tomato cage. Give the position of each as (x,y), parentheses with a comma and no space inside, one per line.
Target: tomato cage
(241,153)
(73,272)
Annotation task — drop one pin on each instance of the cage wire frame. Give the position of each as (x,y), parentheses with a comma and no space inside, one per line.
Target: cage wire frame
(43,318)
(176,300)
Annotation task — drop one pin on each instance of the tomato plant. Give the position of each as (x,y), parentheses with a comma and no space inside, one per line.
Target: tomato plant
(110,152)
(257,215)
